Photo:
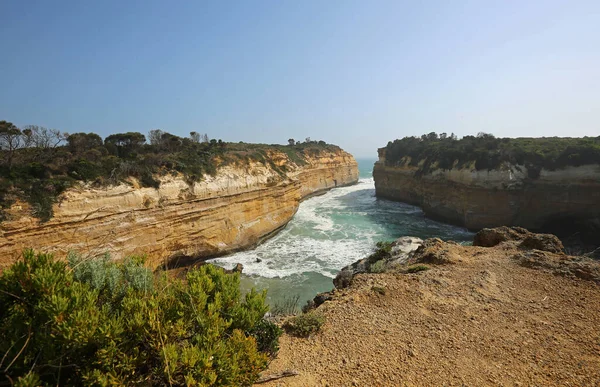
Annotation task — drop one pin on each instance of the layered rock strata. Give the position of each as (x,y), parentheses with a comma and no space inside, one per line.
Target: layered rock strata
(235,209)
(556,201)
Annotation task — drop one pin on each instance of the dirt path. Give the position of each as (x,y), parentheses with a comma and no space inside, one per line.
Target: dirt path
(484,320)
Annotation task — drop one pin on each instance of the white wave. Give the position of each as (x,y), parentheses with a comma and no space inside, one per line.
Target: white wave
(311,242)
(331,231)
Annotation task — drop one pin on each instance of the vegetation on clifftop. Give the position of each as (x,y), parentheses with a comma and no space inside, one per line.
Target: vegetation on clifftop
(37,164)
(488,152)
(96,322)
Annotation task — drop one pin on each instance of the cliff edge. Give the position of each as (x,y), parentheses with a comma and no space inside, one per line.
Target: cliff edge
(509,314)
(560,195)
(235,208)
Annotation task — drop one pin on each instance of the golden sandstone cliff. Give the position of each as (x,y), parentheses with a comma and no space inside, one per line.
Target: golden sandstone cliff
(236,208)
(503,196)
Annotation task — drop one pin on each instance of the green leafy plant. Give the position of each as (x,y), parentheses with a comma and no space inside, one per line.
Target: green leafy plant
(305,324)
(378,267)
(95,322)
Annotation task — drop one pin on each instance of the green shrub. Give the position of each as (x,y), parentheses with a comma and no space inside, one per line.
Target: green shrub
(378,289)
(487,152)
(62,325)
(376,261)
(378,267)
(417,268)
(305,324)
(266,335)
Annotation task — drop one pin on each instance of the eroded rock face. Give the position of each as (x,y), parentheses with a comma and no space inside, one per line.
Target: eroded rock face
(235,209)
(502,197)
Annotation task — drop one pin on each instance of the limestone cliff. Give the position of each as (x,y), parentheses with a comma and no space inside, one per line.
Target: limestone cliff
(502,196)
(234,209)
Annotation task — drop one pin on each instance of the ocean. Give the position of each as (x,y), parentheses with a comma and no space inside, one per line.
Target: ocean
(329,232)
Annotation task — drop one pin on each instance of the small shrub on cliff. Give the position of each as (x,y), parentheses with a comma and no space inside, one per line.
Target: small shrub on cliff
(62,325)
(378,267)
(376,261)
(305,324)
(417,268)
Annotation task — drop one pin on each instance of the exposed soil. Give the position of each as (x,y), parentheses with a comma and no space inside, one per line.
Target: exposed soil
(485,318)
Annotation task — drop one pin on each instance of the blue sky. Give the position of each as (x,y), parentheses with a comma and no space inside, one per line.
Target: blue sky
(353,73)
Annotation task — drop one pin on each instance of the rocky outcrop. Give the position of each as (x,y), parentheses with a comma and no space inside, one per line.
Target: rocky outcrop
(500,315)
(489,237)
(237,208)
(563,201)
(398,252)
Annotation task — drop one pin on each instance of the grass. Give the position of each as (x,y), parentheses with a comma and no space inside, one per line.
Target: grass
(286,307)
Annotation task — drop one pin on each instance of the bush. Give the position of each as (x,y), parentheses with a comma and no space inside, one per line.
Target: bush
(376,261)
(305,324)
(378,267)
(487,152)
(267,335)
(61,324)
(417,268)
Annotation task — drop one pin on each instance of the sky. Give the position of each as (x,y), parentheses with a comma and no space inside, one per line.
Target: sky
(353,73)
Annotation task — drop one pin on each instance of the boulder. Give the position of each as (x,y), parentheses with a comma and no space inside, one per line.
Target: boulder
(490,237)
(544,242)
(238,268)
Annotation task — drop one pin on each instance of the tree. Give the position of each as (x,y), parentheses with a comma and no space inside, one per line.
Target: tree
(195,136)
(80,142)
(155,136)
(125,143)
(128,140)
(291,142)
(307,140)
(41,137)
(10,140)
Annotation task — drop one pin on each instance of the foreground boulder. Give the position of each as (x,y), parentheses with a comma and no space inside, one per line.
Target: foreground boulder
(490,237)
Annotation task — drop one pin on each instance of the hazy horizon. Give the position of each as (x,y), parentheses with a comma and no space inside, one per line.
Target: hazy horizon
(353,73)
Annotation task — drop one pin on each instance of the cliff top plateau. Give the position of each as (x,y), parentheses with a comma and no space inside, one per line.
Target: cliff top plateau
(484,151)
(519,312)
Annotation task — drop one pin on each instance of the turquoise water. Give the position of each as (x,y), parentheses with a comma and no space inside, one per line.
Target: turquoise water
(329,232)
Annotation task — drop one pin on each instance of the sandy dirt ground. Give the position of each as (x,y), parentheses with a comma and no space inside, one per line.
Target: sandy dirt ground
(484,319)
